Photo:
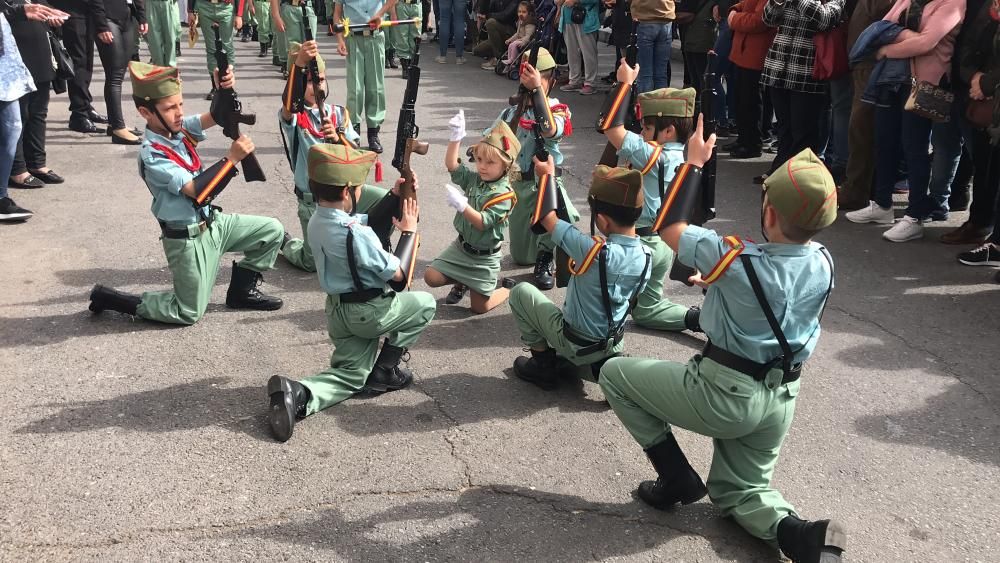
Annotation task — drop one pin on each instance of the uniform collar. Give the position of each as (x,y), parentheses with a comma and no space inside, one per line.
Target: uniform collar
(341,215)
(624,240)
(153,137)
(782,249)
(673,146)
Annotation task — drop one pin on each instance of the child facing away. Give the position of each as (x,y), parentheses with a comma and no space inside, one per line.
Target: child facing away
(667,119)
(482,205)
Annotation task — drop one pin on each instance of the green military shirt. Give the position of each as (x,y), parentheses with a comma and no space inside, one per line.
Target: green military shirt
(795,278)
(626,264)
(493,200)
(166,164)
(303,131)
(360,11)
(328,230)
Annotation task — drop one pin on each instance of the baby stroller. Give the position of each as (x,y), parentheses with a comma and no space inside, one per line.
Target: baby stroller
(546,33)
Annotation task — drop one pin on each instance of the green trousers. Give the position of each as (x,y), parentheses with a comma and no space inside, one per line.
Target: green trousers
(524,244)
(355,329)
(540,322)
(164,29)
(297,251)
(746,419)
(279,48)
(653,310)
(263,8)
(194,264)
(402,36)
(292,16)
(222,14)
(366,78)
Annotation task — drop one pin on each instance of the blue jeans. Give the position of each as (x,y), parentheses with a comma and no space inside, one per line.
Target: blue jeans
(451,26)
(947,140)
(10,128)
(725,98)
(841,95)
(653,43)
(897,129)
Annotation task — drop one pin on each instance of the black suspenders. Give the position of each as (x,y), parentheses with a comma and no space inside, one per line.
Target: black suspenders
(613,326)
(352,262)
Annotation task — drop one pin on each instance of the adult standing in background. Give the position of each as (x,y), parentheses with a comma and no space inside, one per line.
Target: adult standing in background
(164,31)
(452,27)
(578,23)
(751,41)
(15,82)
(29,169)
(78,36)
(655,36)
(207,13)
(116,42)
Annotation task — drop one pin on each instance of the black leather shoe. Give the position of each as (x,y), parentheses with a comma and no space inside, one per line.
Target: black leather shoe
(49,177)
(677,481)
(263,50)
(84,126)
(111,132)
(243,292)
(117,140)
(823,541)
(740,153)
(96,117)
(692,319)
(387,375)
(456,294)
(107,299)
(543,271)
(540,369)
(29,183)
(390,59)
(288,400)
(373,143)
(177,48)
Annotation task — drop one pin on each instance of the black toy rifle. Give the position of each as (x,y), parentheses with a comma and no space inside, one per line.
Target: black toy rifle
(307,35)
(706,211)
(232,111)
(407,130)
(522,98)
(610,155)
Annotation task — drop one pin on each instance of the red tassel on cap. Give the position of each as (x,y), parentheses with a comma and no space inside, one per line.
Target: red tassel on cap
(378,170)
(568,128)
(506,143)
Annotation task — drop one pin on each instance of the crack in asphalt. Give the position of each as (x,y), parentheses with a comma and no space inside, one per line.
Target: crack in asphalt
(466,469)
(949,368)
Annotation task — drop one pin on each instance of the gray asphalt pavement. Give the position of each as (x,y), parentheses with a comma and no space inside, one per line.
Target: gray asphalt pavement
(125,440)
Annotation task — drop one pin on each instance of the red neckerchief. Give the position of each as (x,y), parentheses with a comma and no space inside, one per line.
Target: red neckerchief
(194,166)
(304,120)
(529,124)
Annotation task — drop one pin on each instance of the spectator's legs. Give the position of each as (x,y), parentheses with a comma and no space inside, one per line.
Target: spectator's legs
(888,128)
(34,109)
(588,49)
(767,113)
(571,34)
(781,99)
(696,63)
(449,12)
(497,33)
(78,38)
(748,107)
(114,58)
(10,132)
(986,181)
(661,57)
(857,189)
(723,69)
(653,42)
(947,140)
(426,7)
(916,133)
(841,91)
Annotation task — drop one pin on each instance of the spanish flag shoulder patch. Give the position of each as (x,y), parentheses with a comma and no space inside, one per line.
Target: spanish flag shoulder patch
(736,247)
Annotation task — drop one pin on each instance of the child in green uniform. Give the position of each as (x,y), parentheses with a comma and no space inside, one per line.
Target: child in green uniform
(365,52)
(195,233)
(354,270)
(553,120)
(482,206)
(666,121)
(761,315)
(608,274)
(287,16)
(403,37)
(301,128)
(206,13)
(164,29)
(262,12)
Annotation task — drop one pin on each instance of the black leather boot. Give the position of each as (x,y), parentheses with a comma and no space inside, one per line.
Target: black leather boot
(692,319)
(541,369)
(373,143)
(357,129)
(387,375)
(677,481)
(177,48)
(263,50)
(390,59)
(107,299)
(405,63)
(543,270)
(254,36)
(243,293)
(288,400)
(802,541)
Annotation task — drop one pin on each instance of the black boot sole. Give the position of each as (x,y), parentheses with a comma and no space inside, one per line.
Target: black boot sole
(691,497)
(281,412)
(94,308)
(381,388)
(835,543)
(545,384)
(544,286)
(257,306)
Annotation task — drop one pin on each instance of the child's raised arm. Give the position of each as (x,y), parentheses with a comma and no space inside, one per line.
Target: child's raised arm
(457,128)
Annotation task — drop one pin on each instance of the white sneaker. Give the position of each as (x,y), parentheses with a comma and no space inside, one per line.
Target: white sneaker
(460,60)
(871,214)
(441,60)
(905,229)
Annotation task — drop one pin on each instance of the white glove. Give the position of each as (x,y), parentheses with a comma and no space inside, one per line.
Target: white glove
(457,126)
(456,199)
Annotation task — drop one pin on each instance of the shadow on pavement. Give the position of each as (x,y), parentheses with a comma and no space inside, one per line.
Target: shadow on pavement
(505,524)
(52,329)
(185,406)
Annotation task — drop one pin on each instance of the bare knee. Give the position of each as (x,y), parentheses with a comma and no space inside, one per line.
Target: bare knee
(434,278)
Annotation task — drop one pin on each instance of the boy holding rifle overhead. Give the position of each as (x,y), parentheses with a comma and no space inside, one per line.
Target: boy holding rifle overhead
(667,119)
(608,274)
(305,120)
(195,233)
(355,271)
(762,317)
(535,108)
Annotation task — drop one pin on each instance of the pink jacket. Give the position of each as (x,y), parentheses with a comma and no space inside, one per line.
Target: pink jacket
(930,48)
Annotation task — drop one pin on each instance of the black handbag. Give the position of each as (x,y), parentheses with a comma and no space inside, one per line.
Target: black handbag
(578,15)
(61,62)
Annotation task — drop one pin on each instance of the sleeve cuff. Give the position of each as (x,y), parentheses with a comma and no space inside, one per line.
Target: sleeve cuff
(392,264)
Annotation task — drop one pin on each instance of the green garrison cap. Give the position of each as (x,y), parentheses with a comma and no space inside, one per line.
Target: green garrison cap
(617,186)
(151,82)
(803,192)
(503,139)
(293,53)
(545,60)
(668,102)
(337,165)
